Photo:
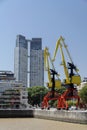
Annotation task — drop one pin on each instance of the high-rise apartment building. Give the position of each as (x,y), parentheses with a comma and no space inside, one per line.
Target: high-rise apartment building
(21,59)
(36,63)
(22,65)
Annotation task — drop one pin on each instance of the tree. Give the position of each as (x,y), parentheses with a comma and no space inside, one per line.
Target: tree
(61,90)
(36,94)
(83,94)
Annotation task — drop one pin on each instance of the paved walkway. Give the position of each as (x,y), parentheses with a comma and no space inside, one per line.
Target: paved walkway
(37,124)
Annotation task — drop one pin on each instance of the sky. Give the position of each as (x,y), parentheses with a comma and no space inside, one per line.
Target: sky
(48,19)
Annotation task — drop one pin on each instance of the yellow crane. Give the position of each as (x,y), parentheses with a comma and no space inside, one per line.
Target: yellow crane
(71,78)
(53,83)
(49,67)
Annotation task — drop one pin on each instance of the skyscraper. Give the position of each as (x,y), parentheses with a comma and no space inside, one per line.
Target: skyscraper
(36,63)
(21,59)
(22,65)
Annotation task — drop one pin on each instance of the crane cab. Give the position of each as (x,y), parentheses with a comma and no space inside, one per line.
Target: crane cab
(76,79)
(57,84)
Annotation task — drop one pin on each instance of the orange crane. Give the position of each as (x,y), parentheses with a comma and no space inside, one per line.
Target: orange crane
(71,80)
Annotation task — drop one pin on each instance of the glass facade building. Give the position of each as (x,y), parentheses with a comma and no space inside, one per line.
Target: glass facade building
(21,59)
(36,63)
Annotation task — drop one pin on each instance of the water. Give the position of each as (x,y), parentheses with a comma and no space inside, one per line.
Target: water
(37,124)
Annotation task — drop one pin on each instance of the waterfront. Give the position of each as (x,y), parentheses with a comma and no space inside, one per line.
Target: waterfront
(37,124)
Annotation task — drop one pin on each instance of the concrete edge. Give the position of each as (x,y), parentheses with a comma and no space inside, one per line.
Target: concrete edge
(57,115)
(65,116)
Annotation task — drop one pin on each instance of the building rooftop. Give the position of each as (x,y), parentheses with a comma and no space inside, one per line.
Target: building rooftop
(6,75)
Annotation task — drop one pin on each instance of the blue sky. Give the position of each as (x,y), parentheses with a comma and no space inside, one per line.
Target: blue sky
(47,19)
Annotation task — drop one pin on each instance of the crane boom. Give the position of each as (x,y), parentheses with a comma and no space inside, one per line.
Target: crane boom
(57,46)
(64,64)
(47,62)
(65,46)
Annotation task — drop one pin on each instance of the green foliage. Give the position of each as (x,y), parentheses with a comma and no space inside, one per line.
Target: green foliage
(53,103)
(36,94)
(71,103)
(61,90)
(83,94)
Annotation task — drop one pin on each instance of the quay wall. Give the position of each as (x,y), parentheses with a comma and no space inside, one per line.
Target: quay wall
(16,113)
(61,115)
(58,115)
